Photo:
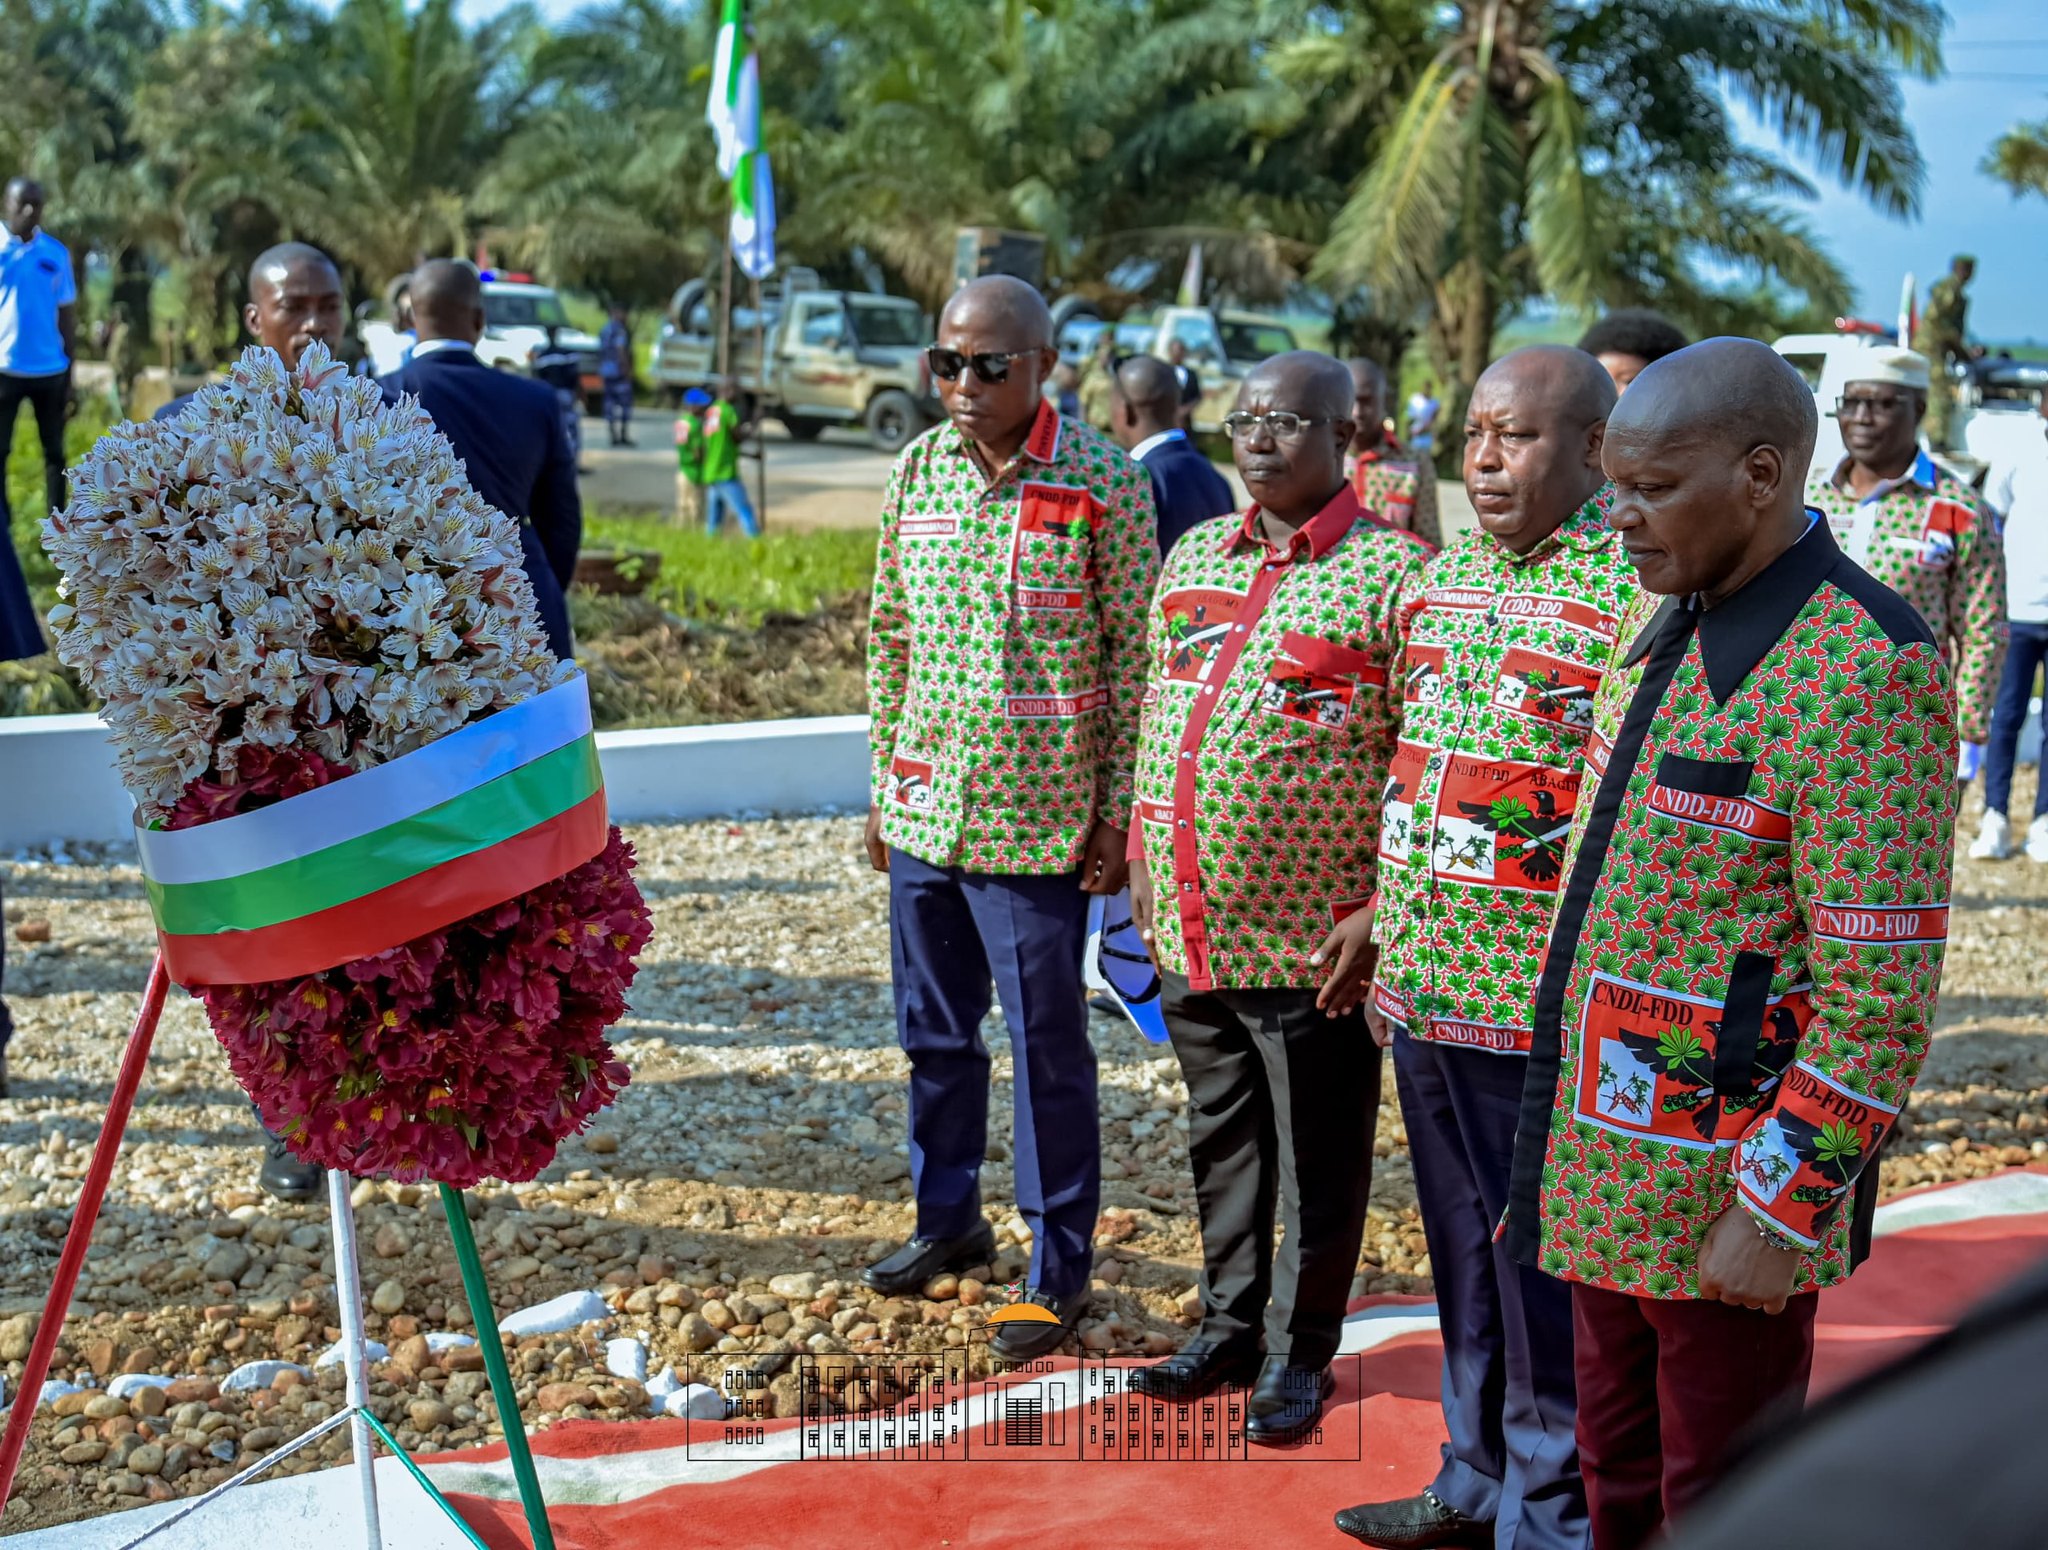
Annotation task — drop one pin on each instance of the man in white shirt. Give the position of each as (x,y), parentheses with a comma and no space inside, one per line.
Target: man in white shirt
(2018,492)
(38,319)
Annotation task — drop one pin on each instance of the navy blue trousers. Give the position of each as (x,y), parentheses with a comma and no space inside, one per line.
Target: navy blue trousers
(955,937)
(2024,657)
(1508,1384)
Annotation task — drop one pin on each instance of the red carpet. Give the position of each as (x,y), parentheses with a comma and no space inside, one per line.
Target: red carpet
(671,1483)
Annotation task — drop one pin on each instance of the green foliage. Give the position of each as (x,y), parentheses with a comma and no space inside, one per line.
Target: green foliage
(703,576)
(41,686)
(2019,159)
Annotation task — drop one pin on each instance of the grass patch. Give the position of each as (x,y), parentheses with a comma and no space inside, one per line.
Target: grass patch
(40,686)
(703,576)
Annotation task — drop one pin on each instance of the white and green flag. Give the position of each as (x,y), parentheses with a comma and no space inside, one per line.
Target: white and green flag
(734,111)
(753,216)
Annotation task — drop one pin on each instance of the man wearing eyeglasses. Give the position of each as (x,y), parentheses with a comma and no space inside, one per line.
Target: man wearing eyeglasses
(1919,530)
(1005,665)
(1269,724)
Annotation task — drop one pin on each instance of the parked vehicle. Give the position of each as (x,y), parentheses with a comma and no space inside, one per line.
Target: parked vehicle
(1222,346)
(517,315)
(834,358)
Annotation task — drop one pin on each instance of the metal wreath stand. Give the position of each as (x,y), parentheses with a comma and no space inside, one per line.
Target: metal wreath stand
(356,1415)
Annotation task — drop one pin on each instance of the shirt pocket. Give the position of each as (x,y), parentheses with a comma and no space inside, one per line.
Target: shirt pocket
(1676,1068)
(1713,794)
(1051,561)
(1314,684)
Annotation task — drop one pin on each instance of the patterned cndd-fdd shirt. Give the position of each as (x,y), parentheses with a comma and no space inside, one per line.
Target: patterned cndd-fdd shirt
(1504,654)
(1400,491)
(1006,653)
(1268,725)
(1740,984)
(1929,538)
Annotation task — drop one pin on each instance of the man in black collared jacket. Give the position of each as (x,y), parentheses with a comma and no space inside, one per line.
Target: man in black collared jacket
(507,430)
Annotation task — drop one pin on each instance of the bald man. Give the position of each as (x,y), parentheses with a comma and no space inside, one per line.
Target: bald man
(1740,985)
(1398,489)
(1506,642)
(507,429)
(1269,724)
(294,299)
(1005,665)
(1145,409)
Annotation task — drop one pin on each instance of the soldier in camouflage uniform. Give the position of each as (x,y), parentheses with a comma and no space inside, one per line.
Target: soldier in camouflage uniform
(1506,642)
(1006,659)
(1268,724)
(1740,984)
(1940,337)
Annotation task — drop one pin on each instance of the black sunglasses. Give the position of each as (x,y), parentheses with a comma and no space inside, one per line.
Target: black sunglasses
(989,365)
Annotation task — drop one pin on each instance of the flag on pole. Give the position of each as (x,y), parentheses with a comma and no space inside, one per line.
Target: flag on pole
(1191,278)
(753,216)
(734,111)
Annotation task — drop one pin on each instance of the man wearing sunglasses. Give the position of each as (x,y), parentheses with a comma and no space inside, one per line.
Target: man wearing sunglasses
(1919,530)
(1005,666)
(1268,729)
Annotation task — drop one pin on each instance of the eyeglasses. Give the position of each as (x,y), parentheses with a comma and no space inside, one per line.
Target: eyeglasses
(990,365)
(1875,406)
(1282,426)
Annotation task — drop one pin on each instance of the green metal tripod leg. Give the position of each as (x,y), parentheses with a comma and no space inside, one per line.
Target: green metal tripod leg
(502,1392)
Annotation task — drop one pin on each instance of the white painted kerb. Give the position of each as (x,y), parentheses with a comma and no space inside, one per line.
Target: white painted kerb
(57,780)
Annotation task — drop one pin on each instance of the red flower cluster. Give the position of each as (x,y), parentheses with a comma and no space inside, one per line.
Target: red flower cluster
(465,1054)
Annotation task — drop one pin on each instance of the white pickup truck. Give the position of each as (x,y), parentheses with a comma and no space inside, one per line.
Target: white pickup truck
(1222,346)
(517,316)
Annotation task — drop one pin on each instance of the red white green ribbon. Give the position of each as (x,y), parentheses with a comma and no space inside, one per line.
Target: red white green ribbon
(354,868)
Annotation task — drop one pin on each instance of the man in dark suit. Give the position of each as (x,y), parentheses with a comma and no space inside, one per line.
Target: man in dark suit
(1185,485)
(507,430)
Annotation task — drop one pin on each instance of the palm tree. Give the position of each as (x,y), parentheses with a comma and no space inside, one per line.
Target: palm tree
(2019,159)
(1547,148)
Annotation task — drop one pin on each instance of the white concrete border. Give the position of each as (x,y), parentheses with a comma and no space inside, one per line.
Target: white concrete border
(57,780)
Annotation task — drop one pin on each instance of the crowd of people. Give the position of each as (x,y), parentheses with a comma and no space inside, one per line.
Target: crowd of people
(1623,823)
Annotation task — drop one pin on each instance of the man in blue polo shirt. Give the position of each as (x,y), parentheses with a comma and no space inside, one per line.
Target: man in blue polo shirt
(38,314)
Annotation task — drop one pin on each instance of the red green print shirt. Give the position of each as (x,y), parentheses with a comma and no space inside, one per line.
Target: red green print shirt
(1504,653)
(1741,980)
(1400,491)
(1268,725)
(1930,539)
(1006,652)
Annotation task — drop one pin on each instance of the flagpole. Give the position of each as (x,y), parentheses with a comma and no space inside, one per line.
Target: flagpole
(725,309)
(760,433)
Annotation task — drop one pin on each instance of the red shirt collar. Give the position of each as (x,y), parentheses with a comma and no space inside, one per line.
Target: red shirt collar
(1314,538)
(1043,444)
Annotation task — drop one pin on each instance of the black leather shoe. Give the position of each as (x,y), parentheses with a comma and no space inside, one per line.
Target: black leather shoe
(1414,1523)
(1286,1402)
(1025,1340)
(284,1177)
(1197,1370)
(920,1259)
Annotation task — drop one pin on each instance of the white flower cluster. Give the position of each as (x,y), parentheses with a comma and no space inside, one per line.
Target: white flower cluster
(288,562)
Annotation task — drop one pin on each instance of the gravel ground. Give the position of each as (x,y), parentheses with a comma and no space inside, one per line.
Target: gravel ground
(723,1209)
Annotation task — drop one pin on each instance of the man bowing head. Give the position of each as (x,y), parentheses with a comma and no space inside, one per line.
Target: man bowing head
(1740,983)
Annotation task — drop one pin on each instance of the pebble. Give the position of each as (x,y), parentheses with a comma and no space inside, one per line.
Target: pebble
(626,1358)
(258,1375)
(559,1313)
(695,1402)
(426,1414)
(389,1297)
(560,1396)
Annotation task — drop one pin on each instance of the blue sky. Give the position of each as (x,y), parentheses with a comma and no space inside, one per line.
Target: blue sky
(1998,75)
